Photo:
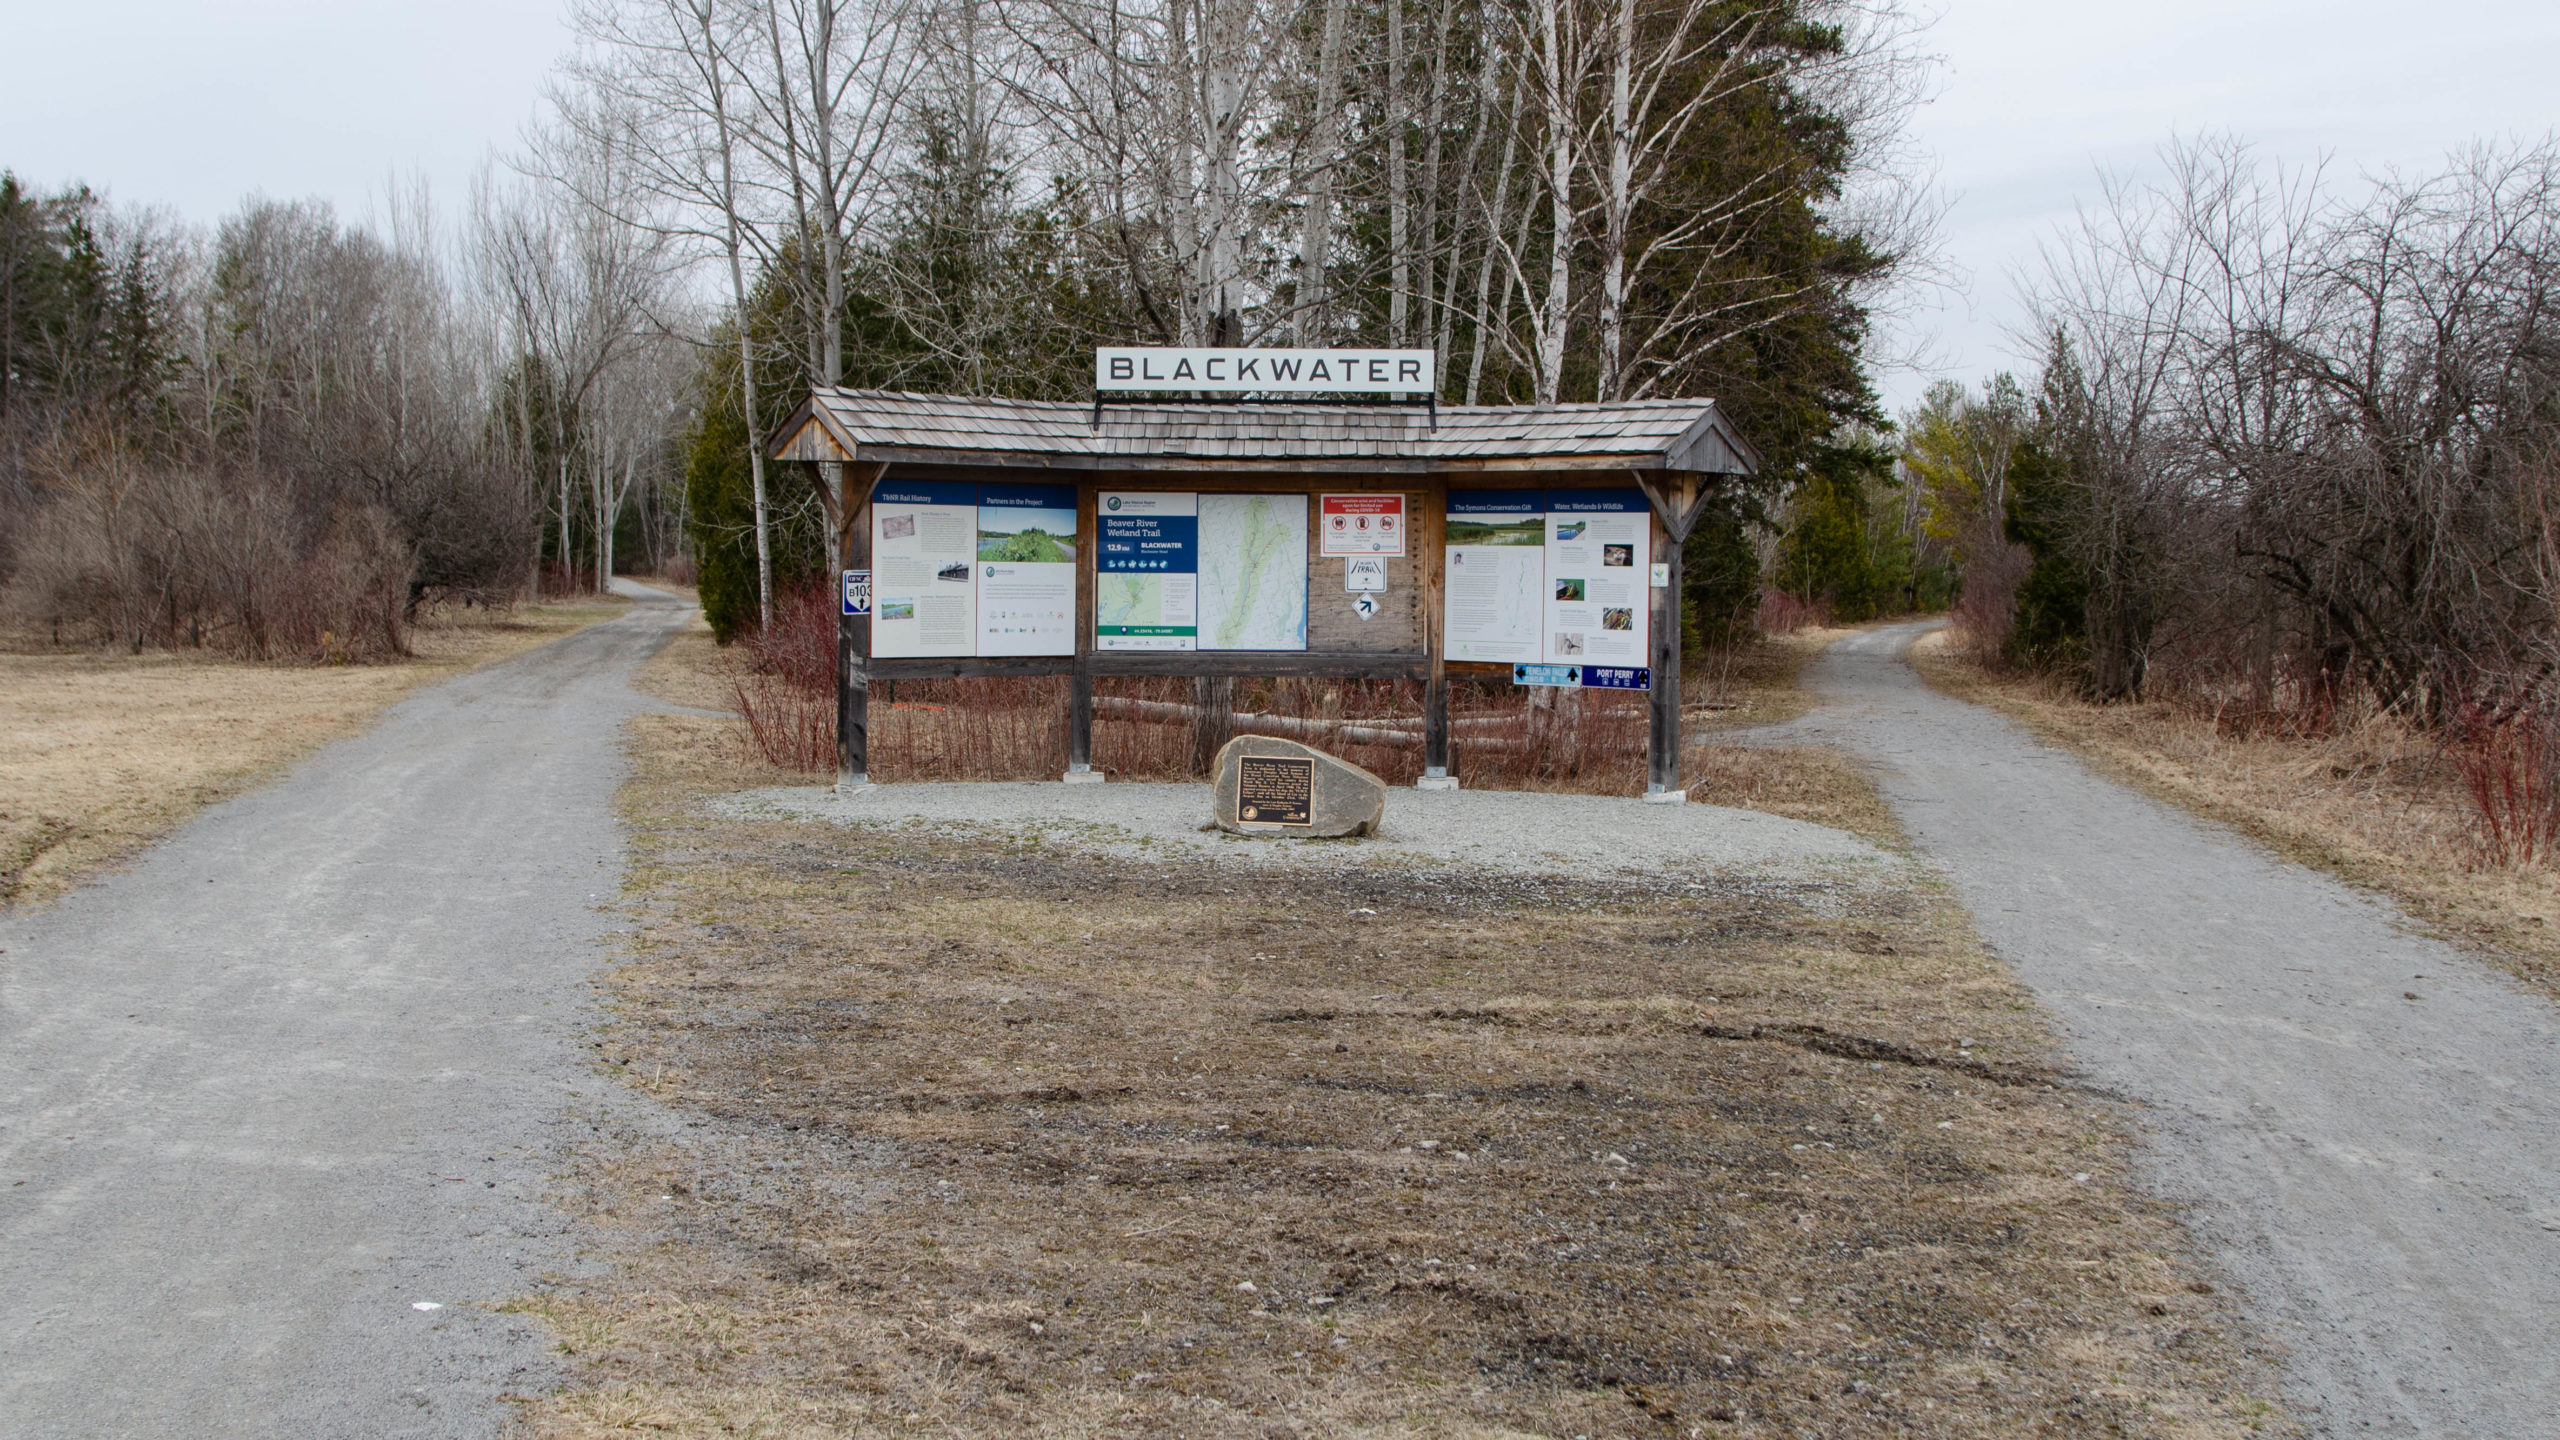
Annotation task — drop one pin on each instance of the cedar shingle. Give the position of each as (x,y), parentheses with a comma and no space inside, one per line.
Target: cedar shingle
(1039,431)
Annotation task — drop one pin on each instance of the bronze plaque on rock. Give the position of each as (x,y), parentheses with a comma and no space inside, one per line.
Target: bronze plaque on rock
(1275,790)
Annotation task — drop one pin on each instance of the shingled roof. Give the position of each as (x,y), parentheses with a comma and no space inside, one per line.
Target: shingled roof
(904,428)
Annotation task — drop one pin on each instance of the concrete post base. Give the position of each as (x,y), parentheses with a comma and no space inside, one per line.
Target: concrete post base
(1666,797)
(1081,777)
(1436,782)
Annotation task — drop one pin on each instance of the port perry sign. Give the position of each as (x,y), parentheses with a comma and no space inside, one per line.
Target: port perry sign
(1244,372)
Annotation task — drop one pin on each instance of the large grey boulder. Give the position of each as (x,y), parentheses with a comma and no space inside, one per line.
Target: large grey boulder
(1270,786)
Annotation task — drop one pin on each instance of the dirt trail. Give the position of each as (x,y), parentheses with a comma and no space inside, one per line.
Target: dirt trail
(2365,1122)
(305,1067)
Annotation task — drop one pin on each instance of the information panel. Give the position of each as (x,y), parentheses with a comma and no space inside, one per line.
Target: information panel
(923,563)
(1146,586)
(1026,570)
(1598,552)
(1495,575)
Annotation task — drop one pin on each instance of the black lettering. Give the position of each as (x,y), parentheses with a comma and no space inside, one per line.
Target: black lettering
(1122,369)
(1148,372)
(1182,369)
(1249,368)
(1211,366)
(1377,372)
(1317,371)
(1409,370)
(1284,369)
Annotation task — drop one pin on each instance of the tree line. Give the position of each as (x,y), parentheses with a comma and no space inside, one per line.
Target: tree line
(1567,200)
(281,435)
(2293,446)
(731,201)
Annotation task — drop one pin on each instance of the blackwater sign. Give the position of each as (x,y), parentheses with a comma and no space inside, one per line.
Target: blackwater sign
(1244,372)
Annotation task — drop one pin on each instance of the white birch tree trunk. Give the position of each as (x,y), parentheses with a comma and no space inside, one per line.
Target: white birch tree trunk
(1399,194)
(1557,95)
(716,82)
(1316,242)
(1616,206)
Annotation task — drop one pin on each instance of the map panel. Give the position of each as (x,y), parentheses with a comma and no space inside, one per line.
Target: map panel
(1253,572)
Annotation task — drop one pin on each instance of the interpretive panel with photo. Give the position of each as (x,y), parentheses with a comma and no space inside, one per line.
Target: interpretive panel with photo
(1597,556)
(923,565)
(1026,570)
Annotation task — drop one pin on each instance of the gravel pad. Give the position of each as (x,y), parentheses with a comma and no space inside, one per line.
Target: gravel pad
(1496,830)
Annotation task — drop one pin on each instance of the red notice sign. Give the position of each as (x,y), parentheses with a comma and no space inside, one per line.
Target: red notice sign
(1360,525)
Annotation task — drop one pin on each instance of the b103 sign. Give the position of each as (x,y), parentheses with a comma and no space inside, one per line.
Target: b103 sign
(1243,371)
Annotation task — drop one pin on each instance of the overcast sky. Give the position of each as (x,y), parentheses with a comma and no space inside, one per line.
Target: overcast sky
(196,105)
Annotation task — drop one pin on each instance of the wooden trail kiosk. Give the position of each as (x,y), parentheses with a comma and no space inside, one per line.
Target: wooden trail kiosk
(1351,538)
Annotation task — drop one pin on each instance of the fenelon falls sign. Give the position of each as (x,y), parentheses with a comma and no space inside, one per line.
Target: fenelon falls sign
(1247,371)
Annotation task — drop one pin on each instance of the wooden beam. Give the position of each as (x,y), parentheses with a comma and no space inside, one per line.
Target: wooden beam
(1080,688)
(1678,499)
(853,632)
(1433,537)
(1276,664)
(1662,749)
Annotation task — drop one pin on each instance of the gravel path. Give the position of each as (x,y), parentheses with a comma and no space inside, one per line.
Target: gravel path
(306,1067)
(2366,1123)
(1478,830)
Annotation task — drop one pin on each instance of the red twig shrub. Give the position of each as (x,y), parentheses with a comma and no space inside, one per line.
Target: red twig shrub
(1986,607)
(783,682)
(1784,614)
(2507,761)
(1004,727)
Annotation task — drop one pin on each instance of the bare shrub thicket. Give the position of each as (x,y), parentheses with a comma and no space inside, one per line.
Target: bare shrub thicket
(133,555)
(267,441)
(2309,438)
(258,437)
(2294,456)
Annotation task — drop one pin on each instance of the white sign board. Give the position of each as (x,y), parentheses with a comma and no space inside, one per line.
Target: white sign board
(1497,571)
(1247,371)
(924,549)
(1360,524)
(1597,612)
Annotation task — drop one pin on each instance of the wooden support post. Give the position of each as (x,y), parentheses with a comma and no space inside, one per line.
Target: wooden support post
(853,632)
(1431,530)
(1213,702)
(1080,769)
(1678,500)
(1662,778)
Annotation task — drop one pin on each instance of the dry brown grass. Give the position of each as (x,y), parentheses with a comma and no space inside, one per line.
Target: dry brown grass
(100,754)
(1801,782)
(983,1138)
(1762,684)
(1754,684)
(2377,802)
